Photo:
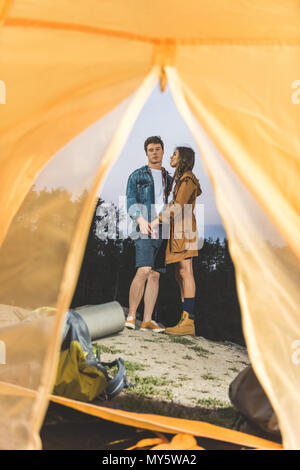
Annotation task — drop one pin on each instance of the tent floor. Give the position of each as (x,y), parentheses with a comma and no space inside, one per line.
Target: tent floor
(68,429)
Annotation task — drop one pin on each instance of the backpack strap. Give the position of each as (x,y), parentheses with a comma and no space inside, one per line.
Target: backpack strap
(116,385)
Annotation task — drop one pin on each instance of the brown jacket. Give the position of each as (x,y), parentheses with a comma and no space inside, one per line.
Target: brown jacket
(183,239)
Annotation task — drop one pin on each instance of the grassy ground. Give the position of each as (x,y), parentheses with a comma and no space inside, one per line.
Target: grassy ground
(179,372)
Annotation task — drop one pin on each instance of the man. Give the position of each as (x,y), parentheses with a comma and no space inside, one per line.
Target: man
(146,192)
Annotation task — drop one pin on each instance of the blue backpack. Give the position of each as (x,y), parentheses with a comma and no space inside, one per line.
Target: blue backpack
(81,375)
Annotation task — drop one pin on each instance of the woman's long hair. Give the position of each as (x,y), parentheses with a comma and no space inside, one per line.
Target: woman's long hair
(186,163)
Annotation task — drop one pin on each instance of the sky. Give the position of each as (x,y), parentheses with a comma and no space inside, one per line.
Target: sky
(160,116)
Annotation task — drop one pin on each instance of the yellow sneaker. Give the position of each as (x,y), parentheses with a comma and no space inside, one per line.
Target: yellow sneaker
(130,322)
(151,325)
(186,326)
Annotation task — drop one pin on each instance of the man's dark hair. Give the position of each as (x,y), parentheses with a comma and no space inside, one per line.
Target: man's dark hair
(154,139)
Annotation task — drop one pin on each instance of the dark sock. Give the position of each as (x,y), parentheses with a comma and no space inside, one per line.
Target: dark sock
(188,306)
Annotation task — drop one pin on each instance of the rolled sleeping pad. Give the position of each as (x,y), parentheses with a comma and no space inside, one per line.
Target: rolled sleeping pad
(104,319)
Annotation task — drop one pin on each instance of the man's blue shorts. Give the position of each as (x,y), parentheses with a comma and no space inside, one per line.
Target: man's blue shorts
(151,252)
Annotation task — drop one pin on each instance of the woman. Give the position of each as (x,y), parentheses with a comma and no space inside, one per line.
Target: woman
(182,244)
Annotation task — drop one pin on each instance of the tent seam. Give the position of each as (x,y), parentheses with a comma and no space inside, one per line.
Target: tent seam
(36,23)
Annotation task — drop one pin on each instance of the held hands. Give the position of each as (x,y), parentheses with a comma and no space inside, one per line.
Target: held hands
(154,224)
(147,228)
(154,229)
(144,226)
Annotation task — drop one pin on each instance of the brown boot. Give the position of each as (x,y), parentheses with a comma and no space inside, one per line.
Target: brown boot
(186,326)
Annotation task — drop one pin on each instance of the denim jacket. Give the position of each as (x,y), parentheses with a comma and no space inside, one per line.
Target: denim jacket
(140,192)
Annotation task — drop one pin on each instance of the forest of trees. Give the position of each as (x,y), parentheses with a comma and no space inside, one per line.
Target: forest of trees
(108,268)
